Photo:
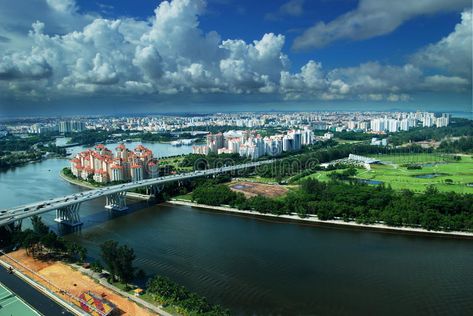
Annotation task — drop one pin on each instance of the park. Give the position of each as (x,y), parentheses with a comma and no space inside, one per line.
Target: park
(415,172)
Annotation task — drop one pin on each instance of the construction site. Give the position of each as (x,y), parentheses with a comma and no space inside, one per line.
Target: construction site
(72,287)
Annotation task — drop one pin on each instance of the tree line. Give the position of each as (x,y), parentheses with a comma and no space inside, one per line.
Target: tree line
(462,145)
(432,210)
(188,303)
(457,128)
(41,242)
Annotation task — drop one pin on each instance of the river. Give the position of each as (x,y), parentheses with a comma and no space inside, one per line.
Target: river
(260,266)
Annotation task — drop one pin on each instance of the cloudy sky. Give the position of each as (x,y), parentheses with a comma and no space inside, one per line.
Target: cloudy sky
(111,56)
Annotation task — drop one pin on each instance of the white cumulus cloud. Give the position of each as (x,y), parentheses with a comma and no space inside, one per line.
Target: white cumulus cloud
(170,55)
(371,18)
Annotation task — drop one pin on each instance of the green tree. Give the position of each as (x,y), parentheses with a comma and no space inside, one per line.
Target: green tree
(39,227)
(96,266)
(119,260)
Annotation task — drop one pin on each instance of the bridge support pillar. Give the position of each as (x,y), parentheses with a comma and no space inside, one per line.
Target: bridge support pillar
(116,201)
(155,189)
(69,215)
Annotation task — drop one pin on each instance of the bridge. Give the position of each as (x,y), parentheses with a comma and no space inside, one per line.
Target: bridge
(67,207)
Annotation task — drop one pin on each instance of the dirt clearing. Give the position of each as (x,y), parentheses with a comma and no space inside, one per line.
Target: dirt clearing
(66,278)
(250,189)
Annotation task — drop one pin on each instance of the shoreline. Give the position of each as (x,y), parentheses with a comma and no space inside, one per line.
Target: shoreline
(80,183)
(313,219)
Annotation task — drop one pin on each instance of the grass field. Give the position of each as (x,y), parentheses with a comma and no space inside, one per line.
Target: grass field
(10,304)
(412,158)
(433,173)
(184,197)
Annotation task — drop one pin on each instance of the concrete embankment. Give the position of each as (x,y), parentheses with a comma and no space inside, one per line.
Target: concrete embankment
(315,220)
(132,195)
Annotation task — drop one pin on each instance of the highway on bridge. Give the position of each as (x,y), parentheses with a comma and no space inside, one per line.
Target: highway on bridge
(15,214)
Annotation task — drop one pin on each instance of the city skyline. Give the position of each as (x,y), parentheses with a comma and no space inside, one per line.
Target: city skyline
(75,57)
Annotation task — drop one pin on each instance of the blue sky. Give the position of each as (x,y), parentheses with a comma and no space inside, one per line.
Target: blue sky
(106,56)
(249,20)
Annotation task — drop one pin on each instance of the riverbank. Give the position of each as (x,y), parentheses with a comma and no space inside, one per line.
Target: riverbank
(314,219)
(84,184)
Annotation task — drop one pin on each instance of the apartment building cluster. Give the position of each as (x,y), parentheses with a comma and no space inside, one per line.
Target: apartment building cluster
(377,122)
(406,121)
(250,144)
(124,164)
(71,126)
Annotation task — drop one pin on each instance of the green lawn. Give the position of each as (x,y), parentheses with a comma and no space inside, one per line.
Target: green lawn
(460,172)
(412,158)
(184,197)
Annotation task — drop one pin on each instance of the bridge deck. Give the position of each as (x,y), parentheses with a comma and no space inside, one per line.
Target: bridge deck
(8,216)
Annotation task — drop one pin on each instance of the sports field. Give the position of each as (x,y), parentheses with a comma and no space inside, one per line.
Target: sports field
(10,304)
(445,174)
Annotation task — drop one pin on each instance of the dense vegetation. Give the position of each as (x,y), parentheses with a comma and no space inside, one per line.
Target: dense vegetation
(215,195)
(15,151)
(163,137)
(89,137)
(458,127)
(358,136)
(200,162)
(119,260)
(13,159)
(16,143)
(358,202)
(188,303)
(41,242)
(462,145)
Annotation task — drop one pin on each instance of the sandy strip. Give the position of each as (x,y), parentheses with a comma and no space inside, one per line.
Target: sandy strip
(314,219)
(61,276)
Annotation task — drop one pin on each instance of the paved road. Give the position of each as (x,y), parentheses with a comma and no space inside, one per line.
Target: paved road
(41,303)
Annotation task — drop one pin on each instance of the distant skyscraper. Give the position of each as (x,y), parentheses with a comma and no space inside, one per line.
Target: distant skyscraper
(297,140)
(404,125)
(392,125)
(287,143)
(427,121)
(378,125)
(65,127)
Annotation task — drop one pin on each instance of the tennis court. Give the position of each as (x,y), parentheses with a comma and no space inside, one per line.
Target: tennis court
(12,305)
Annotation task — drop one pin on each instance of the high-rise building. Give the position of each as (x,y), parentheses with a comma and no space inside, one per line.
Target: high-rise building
(287,143)
(427,121)
(404,125)
(297,140)
(392,125)
(77,126)
(65,127)
(378,125)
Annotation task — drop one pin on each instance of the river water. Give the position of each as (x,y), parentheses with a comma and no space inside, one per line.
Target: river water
(258,266)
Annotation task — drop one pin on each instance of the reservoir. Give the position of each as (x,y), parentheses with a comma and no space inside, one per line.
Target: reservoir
(259,266)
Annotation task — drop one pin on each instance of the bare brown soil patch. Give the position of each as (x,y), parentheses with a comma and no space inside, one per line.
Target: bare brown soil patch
(250,189)
(64,277)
